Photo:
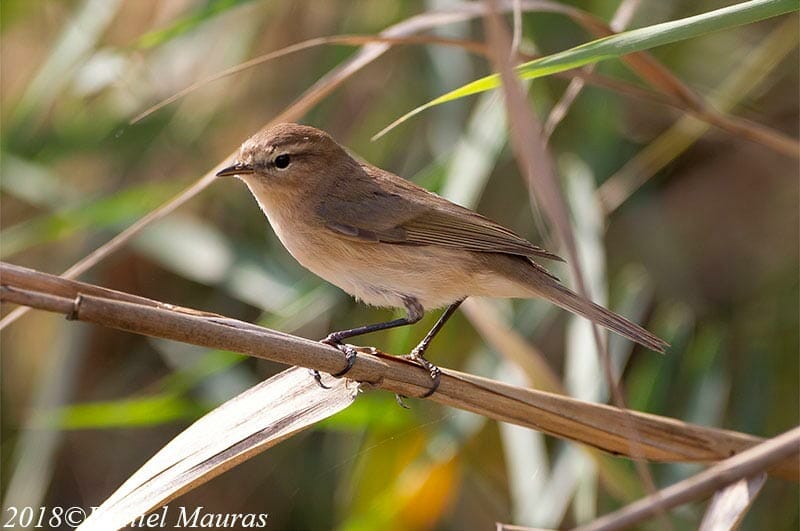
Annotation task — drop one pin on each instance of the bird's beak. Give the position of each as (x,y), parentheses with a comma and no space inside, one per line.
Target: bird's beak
(236,169)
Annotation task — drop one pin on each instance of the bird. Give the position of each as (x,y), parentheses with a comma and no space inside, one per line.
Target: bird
(391,243)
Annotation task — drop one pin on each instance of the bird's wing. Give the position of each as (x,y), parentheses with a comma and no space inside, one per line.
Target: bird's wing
(382,207)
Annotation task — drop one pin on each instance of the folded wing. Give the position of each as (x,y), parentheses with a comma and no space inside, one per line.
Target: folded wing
(384,208)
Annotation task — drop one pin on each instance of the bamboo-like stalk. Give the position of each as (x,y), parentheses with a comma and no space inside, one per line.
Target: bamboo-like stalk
(614,430)
(748,463)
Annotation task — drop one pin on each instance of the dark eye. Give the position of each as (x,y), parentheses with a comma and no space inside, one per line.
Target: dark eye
(282,161)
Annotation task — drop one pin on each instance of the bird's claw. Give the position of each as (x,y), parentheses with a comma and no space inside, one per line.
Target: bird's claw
(350,352)
(318,377)
(400,401)
(433,370)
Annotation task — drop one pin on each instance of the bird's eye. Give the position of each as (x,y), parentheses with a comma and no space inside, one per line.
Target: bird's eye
(282,161)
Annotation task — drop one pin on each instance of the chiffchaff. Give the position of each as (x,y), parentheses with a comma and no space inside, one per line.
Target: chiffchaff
(391,243)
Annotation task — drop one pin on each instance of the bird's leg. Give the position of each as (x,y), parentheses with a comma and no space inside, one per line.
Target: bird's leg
(418,354)
(414,311)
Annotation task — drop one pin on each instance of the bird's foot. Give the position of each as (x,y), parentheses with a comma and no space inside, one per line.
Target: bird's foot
(350,352)
(417,357)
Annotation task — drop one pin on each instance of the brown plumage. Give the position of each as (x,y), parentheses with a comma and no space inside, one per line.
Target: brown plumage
(390,242)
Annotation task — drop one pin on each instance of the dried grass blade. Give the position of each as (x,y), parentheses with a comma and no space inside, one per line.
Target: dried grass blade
(757,65)
(344,40)
(622,17)
(619,45)
(242,427)
(748,463)
(729,505)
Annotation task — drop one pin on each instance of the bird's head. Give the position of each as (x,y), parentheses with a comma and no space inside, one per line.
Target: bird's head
(289,156)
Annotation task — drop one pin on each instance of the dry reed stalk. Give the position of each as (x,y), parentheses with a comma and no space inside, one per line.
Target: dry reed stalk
(614,430)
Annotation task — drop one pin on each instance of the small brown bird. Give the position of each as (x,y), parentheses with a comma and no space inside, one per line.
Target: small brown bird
(391,243)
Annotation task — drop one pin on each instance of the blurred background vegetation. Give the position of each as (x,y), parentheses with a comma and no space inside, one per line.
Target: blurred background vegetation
(705,253)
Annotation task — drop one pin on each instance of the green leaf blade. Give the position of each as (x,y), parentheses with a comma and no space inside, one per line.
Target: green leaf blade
(615,46)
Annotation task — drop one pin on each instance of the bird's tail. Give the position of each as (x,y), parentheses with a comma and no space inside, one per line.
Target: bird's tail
(563,297)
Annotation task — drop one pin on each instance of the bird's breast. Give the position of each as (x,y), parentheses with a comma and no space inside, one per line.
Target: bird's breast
(380,274)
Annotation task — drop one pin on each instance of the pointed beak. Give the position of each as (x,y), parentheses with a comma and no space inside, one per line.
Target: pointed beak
(236,169)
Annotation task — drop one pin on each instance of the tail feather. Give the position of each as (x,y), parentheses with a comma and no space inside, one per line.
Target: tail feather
(565,298)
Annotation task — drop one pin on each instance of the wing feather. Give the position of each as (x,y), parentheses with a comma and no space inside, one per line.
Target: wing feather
(382,207)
